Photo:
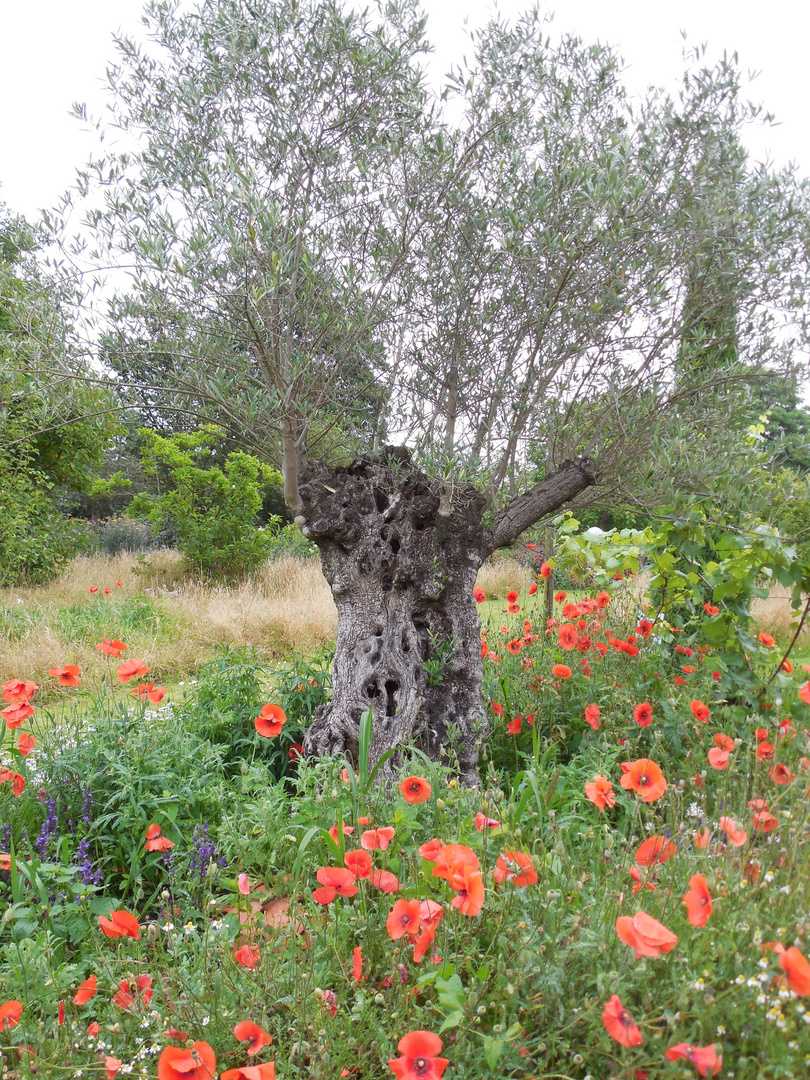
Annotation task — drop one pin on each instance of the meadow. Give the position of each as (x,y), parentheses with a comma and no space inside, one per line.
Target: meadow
(183,895)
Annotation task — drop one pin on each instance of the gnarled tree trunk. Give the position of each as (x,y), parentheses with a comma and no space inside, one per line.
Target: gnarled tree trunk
(402,568)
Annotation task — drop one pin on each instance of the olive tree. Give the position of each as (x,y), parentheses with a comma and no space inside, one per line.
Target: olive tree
(403,297)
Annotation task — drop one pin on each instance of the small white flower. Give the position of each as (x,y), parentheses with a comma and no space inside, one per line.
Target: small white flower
(769,876)
(740,980)
(216,924)
(761,999)
(168,926)
(720,1029)
(206,1020)
(763,963)
(189,928)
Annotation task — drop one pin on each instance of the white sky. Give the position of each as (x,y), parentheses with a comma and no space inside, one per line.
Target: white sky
(54,52)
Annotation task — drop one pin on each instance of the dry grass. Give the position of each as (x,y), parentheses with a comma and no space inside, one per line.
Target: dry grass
(496,579)
(774,614)
(172,623)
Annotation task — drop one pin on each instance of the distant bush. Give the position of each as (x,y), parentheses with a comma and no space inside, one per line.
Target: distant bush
(119,534)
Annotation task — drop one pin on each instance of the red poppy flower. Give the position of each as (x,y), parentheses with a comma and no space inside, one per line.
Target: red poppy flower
(15,713)
(450,863)
(415,790)
(786,666)
(112,648)
(131,669)
(781,774)
(181,1063)
(533,588)
(120,924)
(560,597)
(93,1029)
(112,1065)
(725,742)
(645,778)
(698,900)
(144,691)
(764,821)
(797,969)
(497,709)
(270,722)
(347,831)
(764,750)
(561,671)
(469,898)
(592,714)
(25,743)
(119,584)
(700,710)
(619,1023)
(423,943)
(718,759)
(514,609)
(642,714)
(86,990)
(602,599)
(94,588)
(265,1071)
(336,881)
(710,609)
(767,640)
(517,867)
(373,839)
(545,570)
(359,862)
(419,1059)
(655,849)
(295,751)
(483,822)
(247,1031)
(484,650)
(513,727)
(735,834)
(480,596)
(8,776)
(645,934)
(705,1058)
(107,592)
(431,849)
(568,636)
(156,842)
(18,690)
(134,995)
(403,919)
(804,693)
(600,792)
(10,1013)
(69,675)
(383,880)
(248,956)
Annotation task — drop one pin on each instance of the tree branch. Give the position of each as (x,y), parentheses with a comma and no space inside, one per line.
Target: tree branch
(549,495)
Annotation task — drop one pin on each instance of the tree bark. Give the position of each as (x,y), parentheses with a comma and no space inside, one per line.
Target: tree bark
(402,569)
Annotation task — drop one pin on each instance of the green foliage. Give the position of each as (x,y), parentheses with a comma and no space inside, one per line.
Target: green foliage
(208,502)
(119,534)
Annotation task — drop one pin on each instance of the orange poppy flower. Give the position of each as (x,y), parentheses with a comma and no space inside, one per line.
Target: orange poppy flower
(8,776)
(430,913)
(764,821)
(450,862)
(431,849)
(645,934)
(372,839)
(383,880)
(19,690)
(619,1023)
(25,743)
(359,862)
(422,944)
(69,675)
(513,727)
(517,867)
(336,881)
(656,849)
(705,1058)
(735,834)
(469,897)
(545,570)
(10,1013)
(781,774)
(134,995)
(795,966)
(804,692)
(415,790)
(645,778)
(155,694)
(767,640)
(602,599)
(764,751)
(642,714)
(600,792)
(357,963)
(248,956)
(131,669)
(512,597)
(787,666)
(120,924)
(347,831)
(5,860)
(698,900)
(592,714)
(403,919)
(265,1071)
(568,636)
(484,650)
(112,1065)
(644,628)
(15,713)
(702,837)
(561,671)
(419,1059)
(270,722)
(480,596)
(86,990)
(725,742)
(198,1062)
(711,609)
(483,822)
(112,648)
(700,710)
(560,597)
(156,842)
(718,759)
(247,1031)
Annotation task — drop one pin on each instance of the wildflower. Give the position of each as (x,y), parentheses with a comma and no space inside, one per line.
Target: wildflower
(517,867)
(656,849)
(767,640)
(403,919)
(134,995)
(619,1023)
(645,778)
(8,776)
(562,671)
(247,1031)
(718,759)
(592,714)
(86,990)
(15,713)
(642,714)
(480,596)
(144,691)
(372,839)
(431,849)
(248,956)
(786,666)
(295,751)
(764,821)
(795,966)
(545,570)
(705,1058)
(243,884)
(568,637)
(735,834)
(645,934)
(419,1060)
(156,842)
(700,710)
(533,588)
(270,721)
(725,742)
(450,863)
(18,690)
(512,597)
(359,862)
(131,669)
(513,727)
(357,963)
(711,609)
(765,751)
(333,832)
(112,1065)
(600,792)
(560,597)
(497,709)
(10,1013)
(415,790)
(25,743)
(336,881)
(93,589)
(781,774)
(120,924)
(69,675)
(483,822)
(181,1063)
(698,900)
(112,648)
(383,880)
(804,693)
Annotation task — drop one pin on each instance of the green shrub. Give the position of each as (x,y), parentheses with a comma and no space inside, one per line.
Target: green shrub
(119,534)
